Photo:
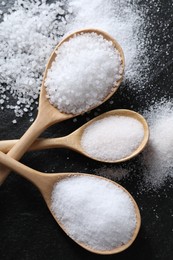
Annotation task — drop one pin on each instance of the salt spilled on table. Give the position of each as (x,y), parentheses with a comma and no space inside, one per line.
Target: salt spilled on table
(112,138)
(84,72)
(157,159)
(94,212)
(24,50)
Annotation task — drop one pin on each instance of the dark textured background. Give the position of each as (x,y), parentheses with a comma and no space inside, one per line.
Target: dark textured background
(27,229)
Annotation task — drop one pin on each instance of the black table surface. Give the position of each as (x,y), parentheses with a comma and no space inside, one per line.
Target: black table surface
(27,229)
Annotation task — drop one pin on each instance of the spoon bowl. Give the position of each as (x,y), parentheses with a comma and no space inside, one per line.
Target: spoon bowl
(73,140)
(47,113)
(46,182)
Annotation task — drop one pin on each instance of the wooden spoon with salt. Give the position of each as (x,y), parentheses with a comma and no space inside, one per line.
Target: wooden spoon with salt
(47,113)
(73,140)
(46,183)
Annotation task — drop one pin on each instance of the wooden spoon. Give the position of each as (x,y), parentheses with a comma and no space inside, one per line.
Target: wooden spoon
(45,183)
(73,140)
(47,113)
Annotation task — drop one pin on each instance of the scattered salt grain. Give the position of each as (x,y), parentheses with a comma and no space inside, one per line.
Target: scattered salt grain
(14,121)
(1,101)
(94,212)
(112,172)
(112,138)
(84,72)
(158,156)
(24,50)
(74,120)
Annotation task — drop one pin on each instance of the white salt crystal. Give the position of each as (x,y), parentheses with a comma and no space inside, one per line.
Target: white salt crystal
(94,212)
(112,138)
(14,121)
(83,73)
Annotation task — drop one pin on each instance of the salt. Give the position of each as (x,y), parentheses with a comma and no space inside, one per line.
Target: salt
(24,50)
(113,173)
(84,72)
(94,212)
(112,138)
(45,24)
(125,21)
(157,158)
(22,58)
(14,121)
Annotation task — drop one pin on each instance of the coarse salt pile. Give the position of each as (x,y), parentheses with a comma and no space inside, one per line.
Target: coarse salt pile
(94,212)
(112,138)
(84,72)
(124,20)
(158,156)
(28,34)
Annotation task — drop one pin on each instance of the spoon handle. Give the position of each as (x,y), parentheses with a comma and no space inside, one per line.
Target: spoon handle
(37,178)
(17,151)
(39,144)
